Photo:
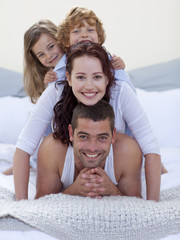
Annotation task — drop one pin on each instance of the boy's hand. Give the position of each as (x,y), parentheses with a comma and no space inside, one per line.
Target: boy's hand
(50,77)
(117,62)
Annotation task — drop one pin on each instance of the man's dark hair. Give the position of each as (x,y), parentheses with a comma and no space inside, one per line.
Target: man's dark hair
(100,111)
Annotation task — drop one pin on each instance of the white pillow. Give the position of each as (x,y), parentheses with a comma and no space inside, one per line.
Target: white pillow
(163,110)
(14,112)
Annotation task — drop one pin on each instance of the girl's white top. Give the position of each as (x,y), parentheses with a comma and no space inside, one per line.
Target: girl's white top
(127,111)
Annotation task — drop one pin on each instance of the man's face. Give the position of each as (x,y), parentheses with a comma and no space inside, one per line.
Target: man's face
(91,142)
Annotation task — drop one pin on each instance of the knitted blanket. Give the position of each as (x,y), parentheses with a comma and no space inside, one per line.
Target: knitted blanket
(110,218)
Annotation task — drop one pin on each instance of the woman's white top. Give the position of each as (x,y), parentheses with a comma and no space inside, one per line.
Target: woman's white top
(126,106)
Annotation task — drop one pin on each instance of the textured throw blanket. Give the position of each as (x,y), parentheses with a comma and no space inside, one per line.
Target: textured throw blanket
(110,218)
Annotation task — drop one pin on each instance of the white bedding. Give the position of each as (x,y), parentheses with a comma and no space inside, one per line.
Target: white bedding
(163,113)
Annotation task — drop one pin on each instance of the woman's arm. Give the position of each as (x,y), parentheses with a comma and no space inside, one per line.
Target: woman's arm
(30,137)
(131,112)
(38,121)
(21,174)
(153,176)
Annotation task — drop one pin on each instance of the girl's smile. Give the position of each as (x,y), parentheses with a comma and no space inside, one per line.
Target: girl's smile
(47,50)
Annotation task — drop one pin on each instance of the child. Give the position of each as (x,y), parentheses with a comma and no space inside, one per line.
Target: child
(33,132)
(82,24)
(41,55)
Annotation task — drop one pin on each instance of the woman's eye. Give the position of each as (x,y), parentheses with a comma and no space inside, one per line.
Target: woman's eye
(91,30)
(80,77)
(97,77)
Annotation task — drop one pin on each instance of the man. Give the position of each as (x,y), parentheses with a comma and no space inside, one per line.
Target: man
(100,163)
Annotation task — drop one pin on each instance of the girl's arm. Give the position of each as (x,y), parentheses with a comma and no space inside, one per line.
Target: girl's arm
(21,174)
(50,77)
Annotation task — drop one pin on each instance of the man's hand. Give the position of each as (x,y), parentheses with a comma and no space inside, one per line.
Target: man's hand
(92,183)
(117,63)
(98,184)
(81,184)
(50,77)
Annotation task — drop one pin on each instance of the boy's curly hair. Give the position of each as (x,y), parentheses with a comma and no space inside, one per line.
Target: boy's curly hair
(75,18)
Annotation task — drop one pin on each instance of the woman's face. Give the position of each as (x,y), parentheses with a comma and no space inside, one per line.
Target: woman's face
(87,80)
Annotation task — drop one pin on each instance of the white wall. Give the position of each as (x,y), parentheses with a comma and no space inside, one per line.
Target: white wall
(142,32)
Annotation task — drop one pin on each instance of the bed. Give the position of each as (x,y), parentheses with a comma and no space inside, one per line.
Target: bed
(66,217)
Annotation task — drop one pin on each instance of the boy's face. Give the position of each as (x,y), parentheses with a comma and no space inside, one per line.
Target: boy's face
(84,33)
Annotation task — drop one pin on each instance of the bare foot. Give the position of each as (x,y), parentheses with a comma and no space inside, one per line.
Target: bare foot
(9,171)
(163,169)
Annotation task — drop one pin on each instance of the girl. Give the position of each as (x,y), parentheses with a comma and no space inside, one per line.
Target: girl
(41,55)
(88,90)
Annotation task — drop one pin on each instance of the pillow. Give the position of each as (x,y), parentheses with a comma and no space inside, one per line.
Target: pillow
(163,112)
(157,77)
(14,113)
(11,83)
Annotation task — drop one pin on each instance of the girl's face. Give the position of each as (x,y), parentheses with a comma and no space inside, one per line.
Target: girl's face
(87,80)
(47,50)
(83,33)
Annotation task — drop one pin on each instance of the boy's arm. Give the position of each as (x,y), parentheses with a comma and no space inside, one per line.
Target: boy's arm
(117,62)
(21,174)
(153,176)
(121,75)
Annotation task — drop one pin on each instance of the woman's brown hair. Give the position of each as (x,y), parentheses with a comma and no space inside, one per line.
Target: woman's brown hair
(64,108)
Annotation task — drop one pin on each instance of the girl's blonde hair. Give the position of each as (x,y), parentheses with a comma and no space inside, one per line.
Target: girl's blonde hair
(34,71)
(75,18)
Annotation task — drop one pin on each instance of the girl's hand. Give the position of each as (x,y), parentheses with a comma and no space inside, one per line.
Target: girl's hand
(50,77)
(117,62)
